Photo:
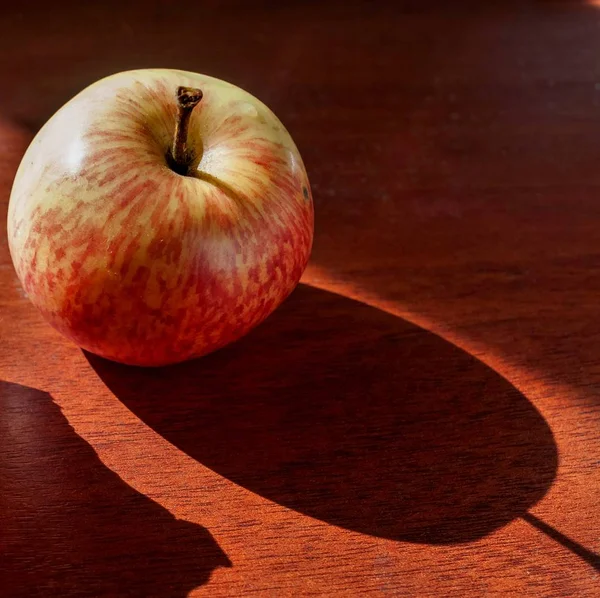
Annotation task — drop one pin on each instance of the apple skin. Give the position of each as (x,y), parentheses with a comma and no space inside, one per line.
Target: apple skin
(137,263)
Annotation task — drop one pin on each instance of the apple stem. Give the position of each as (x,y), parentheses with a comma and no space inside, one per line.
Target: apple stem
(187,99)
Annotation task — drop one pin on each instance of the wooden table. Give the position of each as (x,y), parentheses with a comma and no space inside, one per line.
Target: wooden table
(422,416)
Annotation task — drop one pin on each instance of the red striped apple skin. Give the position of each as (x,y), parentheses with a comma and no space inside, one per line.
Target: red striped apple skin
(142,265)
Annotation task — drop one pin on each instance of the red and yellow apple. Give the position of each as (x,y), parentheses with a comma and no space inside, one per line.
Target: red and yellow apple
(151,230)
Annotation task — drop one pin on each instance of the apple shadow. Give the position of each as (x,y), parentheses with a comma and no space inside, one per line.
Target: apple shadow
(69,526)
(356,417)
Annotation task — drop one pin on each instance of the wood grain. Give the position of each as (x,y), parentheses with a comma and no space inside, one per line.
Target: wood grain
(421,417)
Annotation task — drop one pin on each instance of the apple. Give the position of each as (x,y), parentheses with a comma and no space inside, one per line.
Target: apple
(159,215)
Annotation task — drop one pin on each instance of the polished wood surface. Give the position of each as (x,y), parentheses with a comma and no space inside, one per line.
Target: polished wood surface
(422,416)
